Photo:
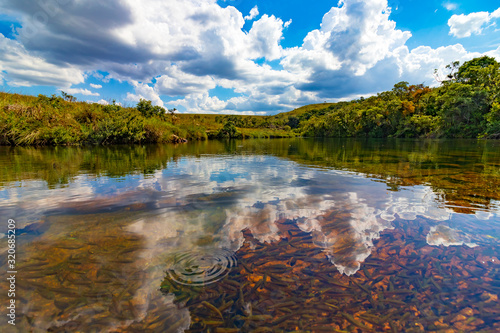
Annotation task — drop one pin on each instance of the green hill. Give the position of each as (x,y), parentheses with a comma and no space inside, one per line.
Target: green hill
(467,105)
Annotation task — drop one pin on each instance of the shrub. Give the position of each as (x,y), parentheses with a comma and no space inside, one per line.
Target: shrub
(156,131)
(229,131)
(147,109)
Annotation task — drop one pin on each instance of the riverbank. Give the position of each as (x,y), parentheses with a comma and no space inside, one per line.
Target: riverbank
(42,120)
(466,105)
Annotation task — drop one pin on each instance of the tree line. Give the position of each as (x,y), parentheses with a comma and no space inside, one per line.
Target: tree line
(465,105)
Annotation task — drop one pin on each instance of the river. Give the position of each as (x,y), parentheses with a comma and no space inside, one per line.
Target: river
(274,235)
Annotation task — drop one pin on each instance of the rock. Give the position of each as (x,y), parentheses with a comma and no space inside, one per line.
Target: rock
(175,139)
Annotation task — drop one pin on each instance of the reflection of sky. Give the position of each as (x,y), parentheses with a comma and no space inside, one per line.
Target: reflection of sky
(220,196)
(227,194)
(443,235)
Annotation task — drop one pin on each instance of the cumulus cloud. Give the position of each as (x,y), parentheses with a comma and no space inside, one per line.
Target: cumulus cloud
(253,14)
(96,86)
(359,33)
(144,91)
(358,50)
(175,82)
(494,53)
(201,103)
(416,65)
(265,37)
(356,43)
(462,25)
(81,91)
(24,69)
(193,46)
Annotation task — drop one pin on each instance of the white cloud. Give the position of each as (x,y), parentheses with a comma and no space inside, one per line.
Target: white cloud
(450,6)
(81,91)
(96,86)
(354,36)
(103,102)
(265,37)
(25,69)
(418,64)
(192,46)
(494,53)
(495,14)
(462,25)
(201,103)
(145,91)
(177,83)
(253,14)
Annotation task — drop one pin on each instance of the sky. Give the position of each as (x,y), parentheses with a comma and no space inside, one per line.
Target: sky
(236,56)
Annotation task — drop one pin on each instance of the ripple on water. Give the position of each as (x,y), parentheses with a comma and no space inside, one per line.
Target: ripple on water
(200,267)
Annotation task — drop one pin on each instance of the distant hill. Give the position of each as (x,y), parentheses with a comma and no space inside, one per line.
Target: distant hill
(466,105)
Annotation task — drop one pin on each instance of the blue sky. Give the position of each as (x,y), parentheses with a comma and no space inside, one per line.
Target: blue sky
(236,56)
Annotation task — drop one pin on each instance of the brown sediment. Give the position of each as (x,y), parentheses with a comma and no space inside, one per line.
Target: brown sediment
(404,286)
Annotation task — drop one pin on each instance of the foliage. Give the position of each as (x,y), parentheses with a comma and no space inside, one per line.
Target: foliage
(229,131)
(293,122)
(68,97)
(493,122)
(462,108)
(466,105)
(148,110)
(42,120)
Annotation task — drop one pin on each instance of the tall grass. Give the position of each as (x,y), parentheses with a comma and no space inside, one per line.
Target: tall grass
(43,120)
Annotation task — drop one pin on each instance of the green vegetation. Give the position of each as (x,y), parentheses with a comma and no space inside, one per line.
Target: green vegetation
(466,105)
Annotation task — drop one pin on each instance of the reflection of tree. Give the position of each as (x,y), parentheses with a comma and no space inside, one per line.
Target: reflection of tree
(467,173)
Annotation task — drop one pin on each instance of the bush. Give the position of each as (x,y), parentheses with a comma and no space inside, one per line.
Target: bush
(118,127)
(147,109)
(418,126)
(493,123)
(229,131)
(156,131)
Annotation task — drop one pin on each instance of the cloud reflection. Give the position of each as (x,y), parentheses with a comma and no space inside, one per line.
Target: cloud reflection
(208,201)
(202,205)
(344,211)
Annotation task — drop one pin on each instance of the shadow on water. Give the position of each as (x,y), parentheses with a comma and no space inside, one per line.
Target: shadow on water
(255,236)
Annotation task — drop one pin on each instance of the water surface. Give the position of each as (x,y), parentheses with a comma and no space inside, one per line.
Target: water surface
(255,236)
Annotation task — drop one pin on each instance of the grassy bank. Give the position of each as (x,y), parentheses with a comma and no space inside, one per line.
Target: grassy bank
(42,120)
(466,105)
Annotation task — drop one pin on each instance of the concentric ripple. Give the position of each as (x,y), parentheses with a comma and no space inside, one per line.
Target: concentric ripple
(201,268)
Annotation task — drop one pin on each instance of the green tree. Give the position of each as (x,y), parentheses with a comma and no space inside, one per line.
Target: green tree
(401,89)
(481,71)
(462,108)
(147,109)
(493,122)
(229,131)
(68,97)
(293,122)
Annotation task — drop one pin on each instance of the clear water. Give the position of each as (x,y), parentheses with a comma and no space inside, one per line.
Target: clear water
(254,236)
